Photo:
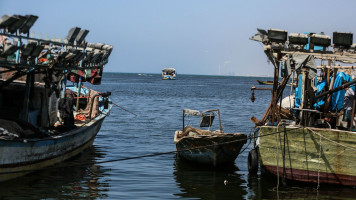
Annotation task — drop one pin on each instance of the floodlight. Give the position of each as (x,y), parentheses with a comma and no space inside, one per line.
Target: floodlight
(260,36)
(88,56)
(97,55)
(17,24)
(81,36)
(72,34)
(320,40)
(37,50)
(298,38)
(277,35)
(26,26)
(342,39)
(28,48)
(71,55)
(7,20)
(9,49)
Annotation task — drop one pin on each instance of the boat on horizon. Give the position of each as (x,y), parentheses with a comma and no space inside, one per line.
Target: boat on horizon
(311,142)
(169,74)
(204,146)
(44,119)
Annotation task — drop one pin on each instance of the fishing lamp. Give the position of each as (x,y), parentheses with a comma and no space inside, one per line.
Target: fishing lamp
(81,36)
(72,34)
(7,20)
(97,55)
(17,24)
(9,49)
(277,35)
(30,20)
(37,50)
(298,38)
(260,36)
(320,40)
(28,48)
(341,39)
(88,54)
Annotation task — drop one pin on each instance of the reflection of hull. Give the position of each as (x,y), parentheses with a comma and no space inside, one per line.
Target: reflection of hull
(210,149)
(80,176)
(303,160)
(202,182)
(20,157)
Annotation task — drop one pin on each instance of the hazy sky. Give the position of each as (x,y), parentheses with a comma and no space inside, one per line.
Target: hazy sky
(193,36)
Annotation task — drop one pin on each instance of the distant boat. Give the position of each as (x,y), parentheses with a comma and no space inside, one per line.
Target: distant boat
(265,82)
(169,74)
(270,83)
(205,146)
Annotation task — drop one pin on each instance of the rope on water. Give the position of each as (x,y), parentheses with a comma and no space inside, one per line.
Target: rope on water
(143,156)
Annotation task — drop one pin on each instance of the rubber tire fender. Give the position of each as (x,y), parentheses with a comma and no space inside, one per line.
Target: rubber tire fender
(252,161)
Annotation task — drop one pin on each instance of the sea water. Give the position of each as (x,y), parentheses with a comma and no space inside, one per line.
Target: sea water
(115,167)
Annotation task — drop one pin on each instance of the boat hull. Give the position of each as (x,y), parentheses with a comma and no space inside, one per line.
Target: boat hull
(168,77)
(211,150)
(299,154)
(18,158)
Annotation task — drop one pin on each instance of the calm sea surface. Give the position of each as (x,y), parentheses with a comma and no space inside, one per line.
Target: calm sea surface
(159,106)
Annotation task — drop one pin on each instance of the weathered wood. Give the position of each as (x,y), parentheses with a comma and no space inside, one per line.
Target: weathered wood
(327,103)
(302,149)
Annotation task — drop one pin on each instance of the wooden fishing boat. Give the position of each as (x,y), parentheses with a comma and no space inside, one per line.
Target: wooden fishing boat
(169,74)
(43,119)
(313,143)
(265,82)
(205,146)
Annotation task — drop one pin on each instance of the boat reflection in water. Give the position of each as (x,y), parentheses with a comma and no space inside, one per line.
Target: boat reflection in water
(82,179)
(204,182)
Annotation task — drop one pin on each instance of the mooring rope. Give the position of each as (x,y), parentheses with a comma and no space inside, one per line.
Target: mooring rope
(145,156)
(332,141)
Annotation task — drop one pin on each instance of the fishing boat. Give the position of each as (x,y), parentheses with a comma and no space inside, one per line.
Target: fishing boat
(265,82)
(169,74)
(314,143)
(204,146)
(47,115)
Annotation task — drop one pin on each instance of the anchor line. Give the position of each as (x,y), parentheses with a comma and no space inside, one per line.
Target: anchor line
(145,156)
(124,109)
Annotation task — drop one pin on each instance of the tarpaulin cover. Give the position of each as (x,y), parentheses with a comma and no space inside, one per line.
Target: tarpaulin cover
(338,97)
(337,102)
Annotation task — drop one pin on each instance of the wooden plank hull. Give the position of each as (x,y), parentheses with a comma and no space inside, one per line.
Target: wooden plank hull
(18,158)
(299,155)
(211,150)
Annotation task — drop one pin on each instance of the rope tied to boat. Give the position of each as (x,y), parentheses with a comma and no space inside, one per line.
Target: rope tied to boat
(141,156)
(332,141)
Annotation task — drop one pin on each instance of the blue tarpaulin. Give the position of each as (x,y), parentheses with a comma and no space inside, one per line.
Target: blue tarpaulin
(337,102)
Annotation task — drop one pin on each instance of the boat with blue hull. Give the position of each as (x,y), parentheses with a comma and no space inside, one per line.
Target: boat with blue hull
(44,119)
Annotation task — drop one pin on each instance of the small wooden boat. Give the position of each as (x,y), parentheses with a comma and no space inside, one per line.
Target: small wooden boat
(271,83)
(265,82)
(205,146)
(169,74)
